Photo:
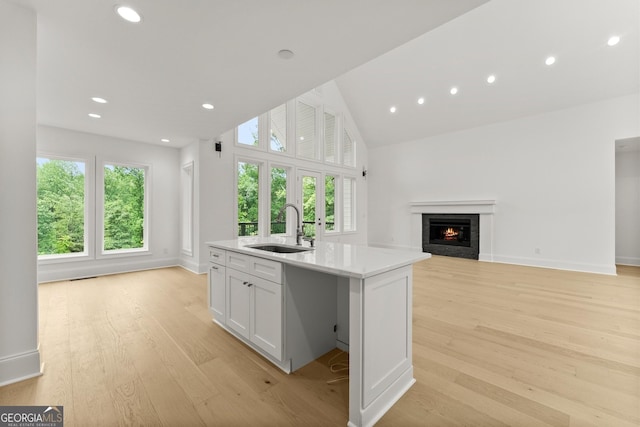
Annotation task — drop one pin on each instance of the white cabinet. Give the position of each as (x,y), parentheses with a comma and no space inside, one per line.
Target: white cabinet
(217,284)
(266,316)
(246,298)
(217,292)
(254,310)
(238,302)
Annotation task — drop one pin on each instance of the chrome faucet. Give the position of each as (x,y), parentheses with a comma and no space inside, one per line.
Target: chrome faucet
(298,223)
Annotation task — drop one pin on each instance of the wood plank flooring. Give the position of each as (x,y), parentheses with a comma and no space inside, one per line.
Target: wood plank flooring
(494,345)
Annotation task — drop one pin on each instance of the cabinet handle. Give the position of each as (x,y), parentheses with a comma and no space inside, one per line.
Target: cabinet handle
(215,255)
(245,283)
(214,268)
(250,285)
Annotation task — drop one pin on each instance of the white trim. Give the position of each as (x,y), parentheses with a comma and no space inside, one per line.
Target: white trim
(557,265)
(623,260)
(105,268)
(19,367)
(454,206)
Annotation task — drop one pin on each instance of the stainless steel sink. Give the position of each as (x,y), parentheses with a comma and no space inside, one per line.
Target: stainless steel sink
(278,248)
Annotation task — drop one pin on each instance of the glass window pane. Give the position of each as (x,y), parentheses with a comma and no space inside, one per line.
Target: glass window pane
(306,130)
(349,199)
(330,138)
(248,132)
(278,200)
(278,130)
(329,203)
(348,150)
(124,207)
(248,190)
(309,206)
(61,206)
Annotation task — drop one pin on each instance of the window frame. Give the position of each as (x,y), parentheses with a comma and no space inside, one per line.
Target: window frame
(354,202)
(261,131)
(318,149)
(289,149)
(89,209)
(99,230)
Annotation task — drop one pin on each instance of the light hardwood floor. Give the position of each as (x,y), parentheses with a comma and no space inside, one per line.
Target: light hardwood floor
(494,345)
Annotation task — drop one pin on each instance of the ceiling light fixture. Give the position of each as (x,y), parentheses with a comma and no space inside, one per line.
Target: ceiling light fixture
(453,91)
(613,40)
(164,140)
(393,109)
(420,101)
(128,14)
(491,79)
(550,60)
(94,115)
(99,100)
(285,54)
(207,106)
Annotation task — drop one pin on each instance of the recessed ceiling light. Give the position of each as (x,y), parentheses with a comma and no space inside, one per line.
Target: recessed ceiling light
(491,79)
(613,40)
(302,138)
(94,115)
(164,140)
(128,14)
(393,109)
(420,100)
(99,100)
(550,60)
(285,54)
(207,106)
(453,91)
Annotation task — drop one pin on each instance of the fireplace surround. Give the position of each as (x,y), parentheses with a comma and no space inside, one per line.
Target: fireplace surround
(484,208)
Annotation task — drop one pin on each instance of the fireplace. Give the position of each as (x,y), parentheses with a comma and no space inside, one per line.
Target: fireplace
(455,235)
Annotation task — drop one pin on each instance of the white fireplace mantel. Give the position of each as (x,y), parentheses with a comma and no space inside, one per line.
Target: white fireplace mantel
(485,208)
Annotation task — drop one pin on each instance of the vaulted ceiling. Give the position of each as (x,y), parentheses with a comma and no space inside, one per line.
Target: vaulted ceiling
(156,74)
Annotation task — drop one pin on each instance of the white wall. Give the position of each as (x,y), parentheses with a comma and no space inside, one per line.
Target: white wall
(164,176)
(215,196)
(19,354)
(628,207)
(552,176)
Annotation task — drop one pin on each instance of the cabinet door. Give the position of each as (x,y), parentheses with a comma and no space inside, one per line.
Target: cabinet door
(238,302)
(217,292)
(266,316)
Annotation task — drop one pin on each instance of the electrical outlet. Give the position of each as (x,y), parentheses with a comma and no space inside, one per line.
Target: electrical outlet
(165,251)
(537,251)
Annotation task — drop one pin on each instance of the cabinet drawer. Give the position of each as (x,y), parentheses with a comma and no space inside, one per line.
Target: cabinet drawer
(264,268)
(216,255)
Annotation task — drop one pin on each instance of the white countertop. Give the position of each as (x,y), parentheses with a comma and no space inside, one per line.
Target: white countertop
(335,258)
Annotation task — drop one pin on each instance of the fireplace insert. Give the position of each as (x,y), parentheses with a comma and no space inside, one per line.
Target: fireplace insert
(455,235)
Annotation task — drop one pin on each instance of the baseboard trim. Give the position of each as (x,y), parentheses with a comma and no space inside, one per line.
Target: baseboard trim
(557,265)
(190,265)
(20,367)
(100,268)
(625,260)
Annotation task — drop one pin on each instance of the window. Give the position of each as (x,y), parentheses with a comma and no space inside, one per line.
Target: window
(124,209)
(306,131)
(248,198)
(278,129)
(278,200)
(330,138)
(247,133)
(348,150)
(61,206)
(349,204)
(330,203)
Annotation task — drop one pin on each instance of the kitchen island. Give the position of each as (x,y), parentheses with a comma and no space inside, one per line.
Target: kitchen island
(292,304)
